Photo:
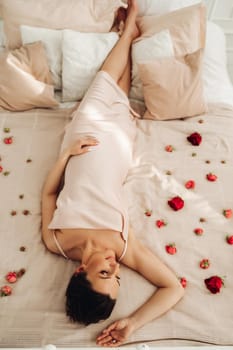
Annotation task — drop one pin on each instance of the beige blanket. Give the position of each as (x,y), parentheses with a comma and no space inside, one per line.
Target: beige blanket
(34,314)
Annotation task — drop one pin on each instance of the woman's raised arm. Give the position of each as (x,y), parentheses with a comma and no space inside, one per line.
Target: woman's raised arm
(169,291)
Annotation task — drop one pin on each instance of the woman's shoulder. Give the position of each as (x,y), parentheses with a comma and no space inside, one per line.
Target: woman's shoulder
(134,247)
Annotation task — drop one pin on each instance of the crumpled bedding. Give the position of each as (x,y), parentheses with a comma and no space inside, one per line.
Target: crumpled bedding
(34,314)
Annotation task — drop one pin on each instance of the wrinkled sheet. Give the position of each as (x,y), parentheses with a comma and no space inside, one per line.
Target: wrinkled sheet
(34,314)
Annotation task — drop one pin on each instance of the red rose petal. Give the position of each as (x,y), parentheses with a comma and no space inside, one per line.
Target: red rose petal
(176,203)
(183,282)
(169,148)
(229,239)
(160,223)
(211,177)
(198,231)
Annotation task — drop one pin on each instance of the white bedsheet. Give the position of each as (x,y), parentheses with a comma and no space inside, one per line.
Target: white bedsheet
(34,314)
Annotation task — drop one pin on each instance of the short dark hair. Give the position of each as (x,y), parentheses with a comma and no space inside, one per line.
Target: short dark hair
(85,305)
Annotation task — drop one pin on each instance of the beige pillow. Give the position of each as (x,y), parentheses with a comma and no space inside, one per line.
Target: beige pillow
(187,28)
(173,87)
(80,15)
(25,79)
(184,32)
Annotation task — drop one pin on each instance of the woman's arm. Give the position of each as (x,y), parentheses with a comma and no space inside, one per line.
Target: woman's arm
(169,292)
(53,180)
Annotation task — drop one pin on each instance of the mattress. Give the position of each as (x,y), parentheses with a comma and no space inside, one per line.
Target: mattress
(165,164)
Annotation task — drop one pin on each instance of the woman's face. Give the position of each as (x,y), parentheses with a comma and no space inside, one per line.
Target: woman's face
(103,272)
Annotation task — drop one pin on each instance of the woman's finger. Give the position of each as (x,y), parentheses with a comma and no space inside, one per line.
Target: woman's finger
(88,144)
(89,139)
(104,340)
(106,331)
(111,327)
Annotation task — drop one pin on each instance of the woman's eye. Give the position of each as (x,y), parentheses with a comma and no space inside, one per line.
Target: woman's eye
(104,273)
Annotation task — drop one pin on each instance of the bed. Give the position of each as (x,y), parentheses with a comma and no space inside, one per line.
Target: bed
(179,189)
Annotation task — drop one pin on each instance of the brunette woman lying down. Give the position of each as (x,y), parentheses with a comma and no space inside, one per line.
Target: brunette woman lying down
(87,219)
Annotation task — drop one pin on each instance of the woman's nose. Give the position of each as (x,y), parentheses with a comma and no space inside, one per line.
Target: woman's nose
(114,267)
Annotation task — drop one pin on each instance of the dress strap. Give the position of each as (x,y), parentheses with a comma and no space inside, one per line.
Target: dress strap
(125,232)
(59,246)
(124,251)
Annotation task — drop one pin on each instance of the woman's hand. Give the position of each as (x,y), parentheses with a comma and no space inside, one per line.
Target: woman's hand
(115,334)
(82,145)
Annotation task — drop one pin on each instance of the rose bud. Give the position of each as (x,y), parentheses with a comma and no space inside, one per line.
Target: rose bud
(195,139)
(214,284)
(5,291)
(11,277)
(229,239)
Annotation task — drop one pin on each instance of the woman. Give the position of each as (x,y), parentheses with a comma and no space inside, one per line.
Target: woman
(87,221)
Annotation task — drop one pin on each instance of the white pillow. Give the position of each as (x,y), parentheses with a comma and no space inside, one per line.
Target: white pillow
(83,55)
(157,46)
(217,85)
(159,7)
(52,40)
(2,41)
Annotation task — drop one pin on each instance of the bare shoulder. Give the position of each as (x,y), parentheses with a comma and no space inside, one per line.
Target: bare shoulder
(132,256)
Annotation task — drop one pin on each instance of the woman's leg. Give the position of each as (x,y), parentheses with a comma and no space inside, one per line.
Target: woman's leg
(125,81)
(117,63)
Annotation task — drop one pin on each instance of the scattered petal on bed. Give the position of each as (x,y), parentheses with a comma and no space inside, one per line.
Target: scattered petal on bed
(176,203)
(214,284)
(195,139)
(169,148)
(229,239)
(171,248)
(11,277)
(204,264)
(202,220)
(8,140)
(183,282)
(26,212)
(160,223)
(22,249)
(5,291)
(227,213)
(20,273)
(6,130)
(198,231)
(190,184)
(211,177)
(148,212)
